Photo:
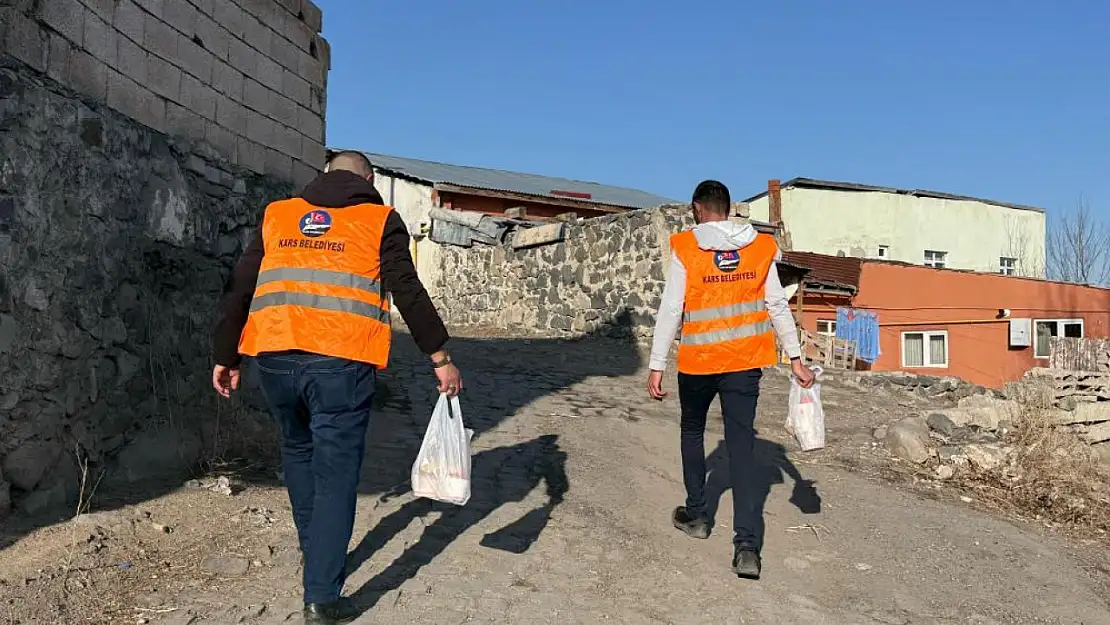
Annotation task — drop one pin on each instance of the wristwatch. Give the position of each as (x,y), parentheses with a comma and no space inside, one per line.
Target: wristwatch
(439,364)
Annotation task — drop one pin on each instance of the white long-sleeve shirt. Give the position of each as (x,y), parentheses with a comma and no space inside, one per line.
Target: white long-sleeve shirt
(668,321)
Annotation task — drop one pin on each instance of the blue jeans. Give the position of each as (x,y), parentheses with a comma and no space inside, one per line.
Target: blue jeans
(322,406)
(739,394)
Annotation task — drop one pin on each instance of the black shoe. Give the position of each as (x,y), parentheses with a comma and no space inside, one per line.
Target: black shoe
(335,613)
(746,563)
(693,525)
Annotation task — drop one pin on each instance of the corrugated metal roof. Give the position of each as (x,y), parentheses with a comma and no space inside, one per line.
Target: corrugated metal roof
(812,183)
(835,271)
(513,182)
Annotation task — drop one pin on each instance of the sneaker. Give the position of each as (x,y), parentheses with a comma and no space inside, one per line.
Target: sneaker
(746,562)
(334,613)
(696,526)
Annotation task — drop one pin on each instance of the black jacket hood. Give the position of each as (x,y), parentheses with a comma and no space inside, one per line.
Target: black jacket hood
(339,189)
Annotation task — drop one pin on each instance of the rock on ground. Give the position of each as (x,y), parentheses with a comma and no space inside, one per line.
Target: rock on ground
(908,439)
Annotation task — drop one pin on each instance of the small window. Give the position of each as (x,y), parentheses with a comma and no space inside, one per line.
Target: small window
(1045,329)
(826,327)
(924,349)
(935,259)
(1007,266)
(884,252)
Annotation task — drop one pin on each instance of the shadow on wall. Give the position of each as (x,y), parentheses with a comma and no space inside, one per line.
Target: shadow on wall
(502,376)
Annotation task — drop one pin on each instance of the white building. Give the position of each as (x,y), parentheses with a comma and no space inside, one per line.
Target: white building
(907,225)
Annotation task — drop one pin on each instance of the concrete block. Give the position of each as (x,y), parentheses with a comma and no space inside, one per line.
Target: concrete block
(135,101)
(540,235)
(303,174)
(159,37)
(194,59)
(59,49)
(204,6)
(163,78)
(223,140)
(285,52)
(285,111)
(313,16)
(323,52)
(182,122)
(129,20)
(87,75)
(250,155)
(317,99)
(295,88)
(291,7)
(231,114)
(181,15)
(311,69)
(198,97)
(313,152)
(213,37)
(270,73)
(311,124)
(257,34)
(243,57)
(299,33)
(260,128)
(157,7)
(257,96)
(25,40)
(228,81)
(278,165)
(132,59)
(104,9)
(287,141)
(66,17)
(100,39)
(228,14)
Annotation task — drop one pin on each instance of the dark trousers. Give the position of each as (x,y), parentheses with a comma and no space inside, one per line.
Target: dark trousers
(322,406)
(739,393)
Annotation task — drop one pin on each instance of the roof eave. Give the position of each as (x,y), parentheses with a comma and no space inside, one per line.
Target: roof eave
(570,203)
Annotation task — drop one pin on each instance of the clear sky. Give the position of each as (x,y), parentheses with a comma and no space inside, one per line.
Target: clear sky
(1003,100)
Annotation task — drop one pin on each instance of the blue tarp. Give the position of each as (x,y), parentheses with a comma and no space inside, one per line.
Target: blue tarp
(862,327)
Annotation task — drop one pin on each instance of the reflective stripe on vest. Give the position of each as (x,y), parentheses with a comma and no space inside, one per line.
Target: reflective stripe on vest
(727,334)
(322,302)
(724,312)
(320,276)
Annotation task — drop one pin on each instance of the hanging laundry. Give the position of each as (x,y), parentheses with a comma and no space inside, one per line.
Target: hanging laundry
(862,327)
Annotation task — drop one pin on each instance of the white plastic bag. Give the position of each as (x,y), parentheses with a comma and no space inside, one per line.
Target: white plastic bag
(805,419)
(442,468)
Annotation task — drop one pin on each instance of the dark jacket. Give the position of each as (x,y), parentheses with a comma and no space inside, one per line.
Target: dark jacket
(337,189)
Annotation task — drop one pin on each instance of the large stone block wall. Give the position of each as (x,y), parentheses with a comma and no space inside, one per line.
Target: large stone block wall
(246,77)
(125,199)
(605,277)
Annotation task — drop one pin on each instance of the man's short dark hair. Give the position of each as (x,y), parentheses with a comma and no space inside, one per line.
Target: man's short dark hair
(352,161)
(713,195)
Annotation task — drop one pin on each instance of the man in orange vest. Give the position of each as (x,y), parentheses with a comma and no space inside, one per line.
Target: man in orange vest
(309,300)
(724,293)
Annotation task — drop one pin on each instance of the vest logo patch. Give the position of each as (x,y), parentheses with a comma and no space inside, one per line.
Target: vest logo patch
(315,223)
(728,261)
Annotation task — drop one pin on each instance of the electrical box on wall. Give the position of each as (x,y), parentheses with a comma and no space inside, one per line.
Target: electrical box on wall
(1021,332)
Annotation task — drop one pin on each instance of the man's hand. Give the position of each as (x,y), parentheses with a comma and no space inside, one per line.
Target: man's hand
(450,380)
(804,374)
(225,380)
(655,385)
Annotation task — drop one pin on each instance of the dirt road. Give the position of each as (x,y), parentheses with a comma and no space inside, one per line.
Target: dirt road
(576,473)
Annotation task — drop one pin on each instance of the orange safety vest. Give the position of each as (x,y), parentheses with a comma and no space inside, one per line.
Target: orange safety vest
(725,323)
(319,287)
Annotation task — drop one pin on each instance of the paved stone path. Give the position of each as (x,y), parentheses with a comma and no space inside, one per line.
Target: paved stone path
(575,475)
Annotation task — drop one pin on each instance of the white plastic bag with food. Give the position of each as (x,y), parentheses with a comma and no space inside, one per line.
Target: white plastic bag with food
(805,419)
(442,468)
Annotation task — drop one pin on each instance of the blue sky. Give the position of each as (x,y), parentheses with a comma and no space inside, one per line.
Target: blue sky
(1009,101)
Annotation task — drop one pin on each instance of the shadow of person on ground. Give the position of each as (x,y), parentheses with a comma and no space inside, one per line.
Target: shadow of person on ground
(772,463)
(499,476)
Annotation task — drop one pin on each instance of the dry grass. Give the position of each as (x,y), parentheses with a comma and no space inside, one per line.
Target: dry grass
(1054,477)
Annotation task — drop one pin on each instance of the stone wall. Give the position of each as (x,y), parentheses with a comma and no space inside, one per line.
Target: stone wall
(606,277)
(118,229)
(246,77)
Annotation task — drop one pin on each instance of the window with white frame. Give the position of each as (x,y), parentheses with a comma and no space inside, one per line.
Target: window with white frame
(1007,266)
(1045,329)
(925,349)
(826,327)
(935,259)
(884,252)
